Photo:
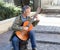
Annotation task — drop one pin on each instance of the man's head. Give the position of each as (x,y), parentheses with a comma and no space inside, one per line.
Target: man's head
(26,10)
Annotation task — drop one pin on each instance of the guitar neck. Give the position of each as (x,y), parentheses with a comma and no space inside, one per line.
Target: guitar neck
(33,17)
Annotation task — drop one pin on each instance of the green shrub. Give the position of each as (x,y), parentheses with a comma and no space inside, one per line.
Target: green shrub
(8,11)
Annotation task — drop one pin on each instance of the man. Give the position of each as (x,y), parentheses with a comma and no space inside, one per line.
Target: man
(17,26)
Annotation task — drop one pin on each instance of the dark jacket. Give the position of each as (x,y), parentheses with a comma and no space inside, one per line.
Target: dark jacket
(18,22)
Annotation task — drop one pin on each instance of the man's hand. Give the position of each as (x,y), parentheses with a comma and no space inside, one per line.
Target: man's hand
(25,28)
(36,18)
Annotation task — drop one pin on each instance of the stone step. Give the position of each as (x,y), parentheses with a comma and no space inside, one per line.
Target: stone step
(47,38)
(46,46)
(47,29)
(40,46)
(44,41)
(51,10)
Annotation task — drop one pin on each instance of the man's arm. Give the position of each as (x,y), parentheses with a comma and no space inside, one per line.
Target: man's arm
(34,22)
(35,16)
(16,25)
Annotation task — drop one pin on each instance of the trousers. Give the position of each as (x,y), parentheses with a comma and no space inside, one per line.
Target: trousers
(16,41)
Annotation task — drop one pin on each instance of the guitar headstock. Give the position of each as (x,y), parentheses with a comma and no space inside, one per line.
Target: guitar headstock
(38,10)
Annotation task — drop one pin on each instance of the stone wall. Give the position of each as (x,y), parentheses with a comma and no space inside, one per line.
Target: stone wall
(5,25)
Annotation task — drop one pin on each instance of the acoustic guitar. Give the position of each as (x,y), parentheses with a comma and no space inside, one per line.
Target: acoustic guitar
(23,34)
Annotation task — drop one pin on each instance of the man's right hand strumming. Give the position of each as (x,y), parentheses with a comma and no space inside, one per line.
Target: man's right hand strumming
(25,28)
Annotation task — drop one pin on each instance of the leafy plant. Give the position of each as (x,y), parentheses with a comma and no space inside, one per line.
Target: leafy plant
(8,11)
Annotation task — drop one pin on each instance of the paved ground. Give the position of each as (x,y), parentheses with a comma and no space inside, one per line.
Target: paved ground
(5,44)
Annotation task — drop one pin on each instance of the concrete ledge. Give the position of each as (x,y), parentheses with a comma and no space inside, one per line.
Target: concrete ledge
(5,25)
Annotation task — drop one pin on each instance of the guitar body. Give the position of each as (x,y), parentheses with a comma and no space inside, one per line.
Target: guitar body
(23,35)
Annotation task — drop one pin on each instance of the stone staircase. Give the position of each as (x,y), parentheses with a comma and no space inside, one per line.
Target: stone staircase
(46,40)
(47,37)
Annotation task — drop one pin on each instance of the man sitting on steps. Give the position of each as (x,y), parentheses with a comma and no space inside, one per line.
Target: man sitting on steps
(17,26)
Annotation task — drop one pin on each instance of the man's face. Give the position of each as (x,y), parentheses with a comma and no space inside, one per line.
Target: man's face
(27,11)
